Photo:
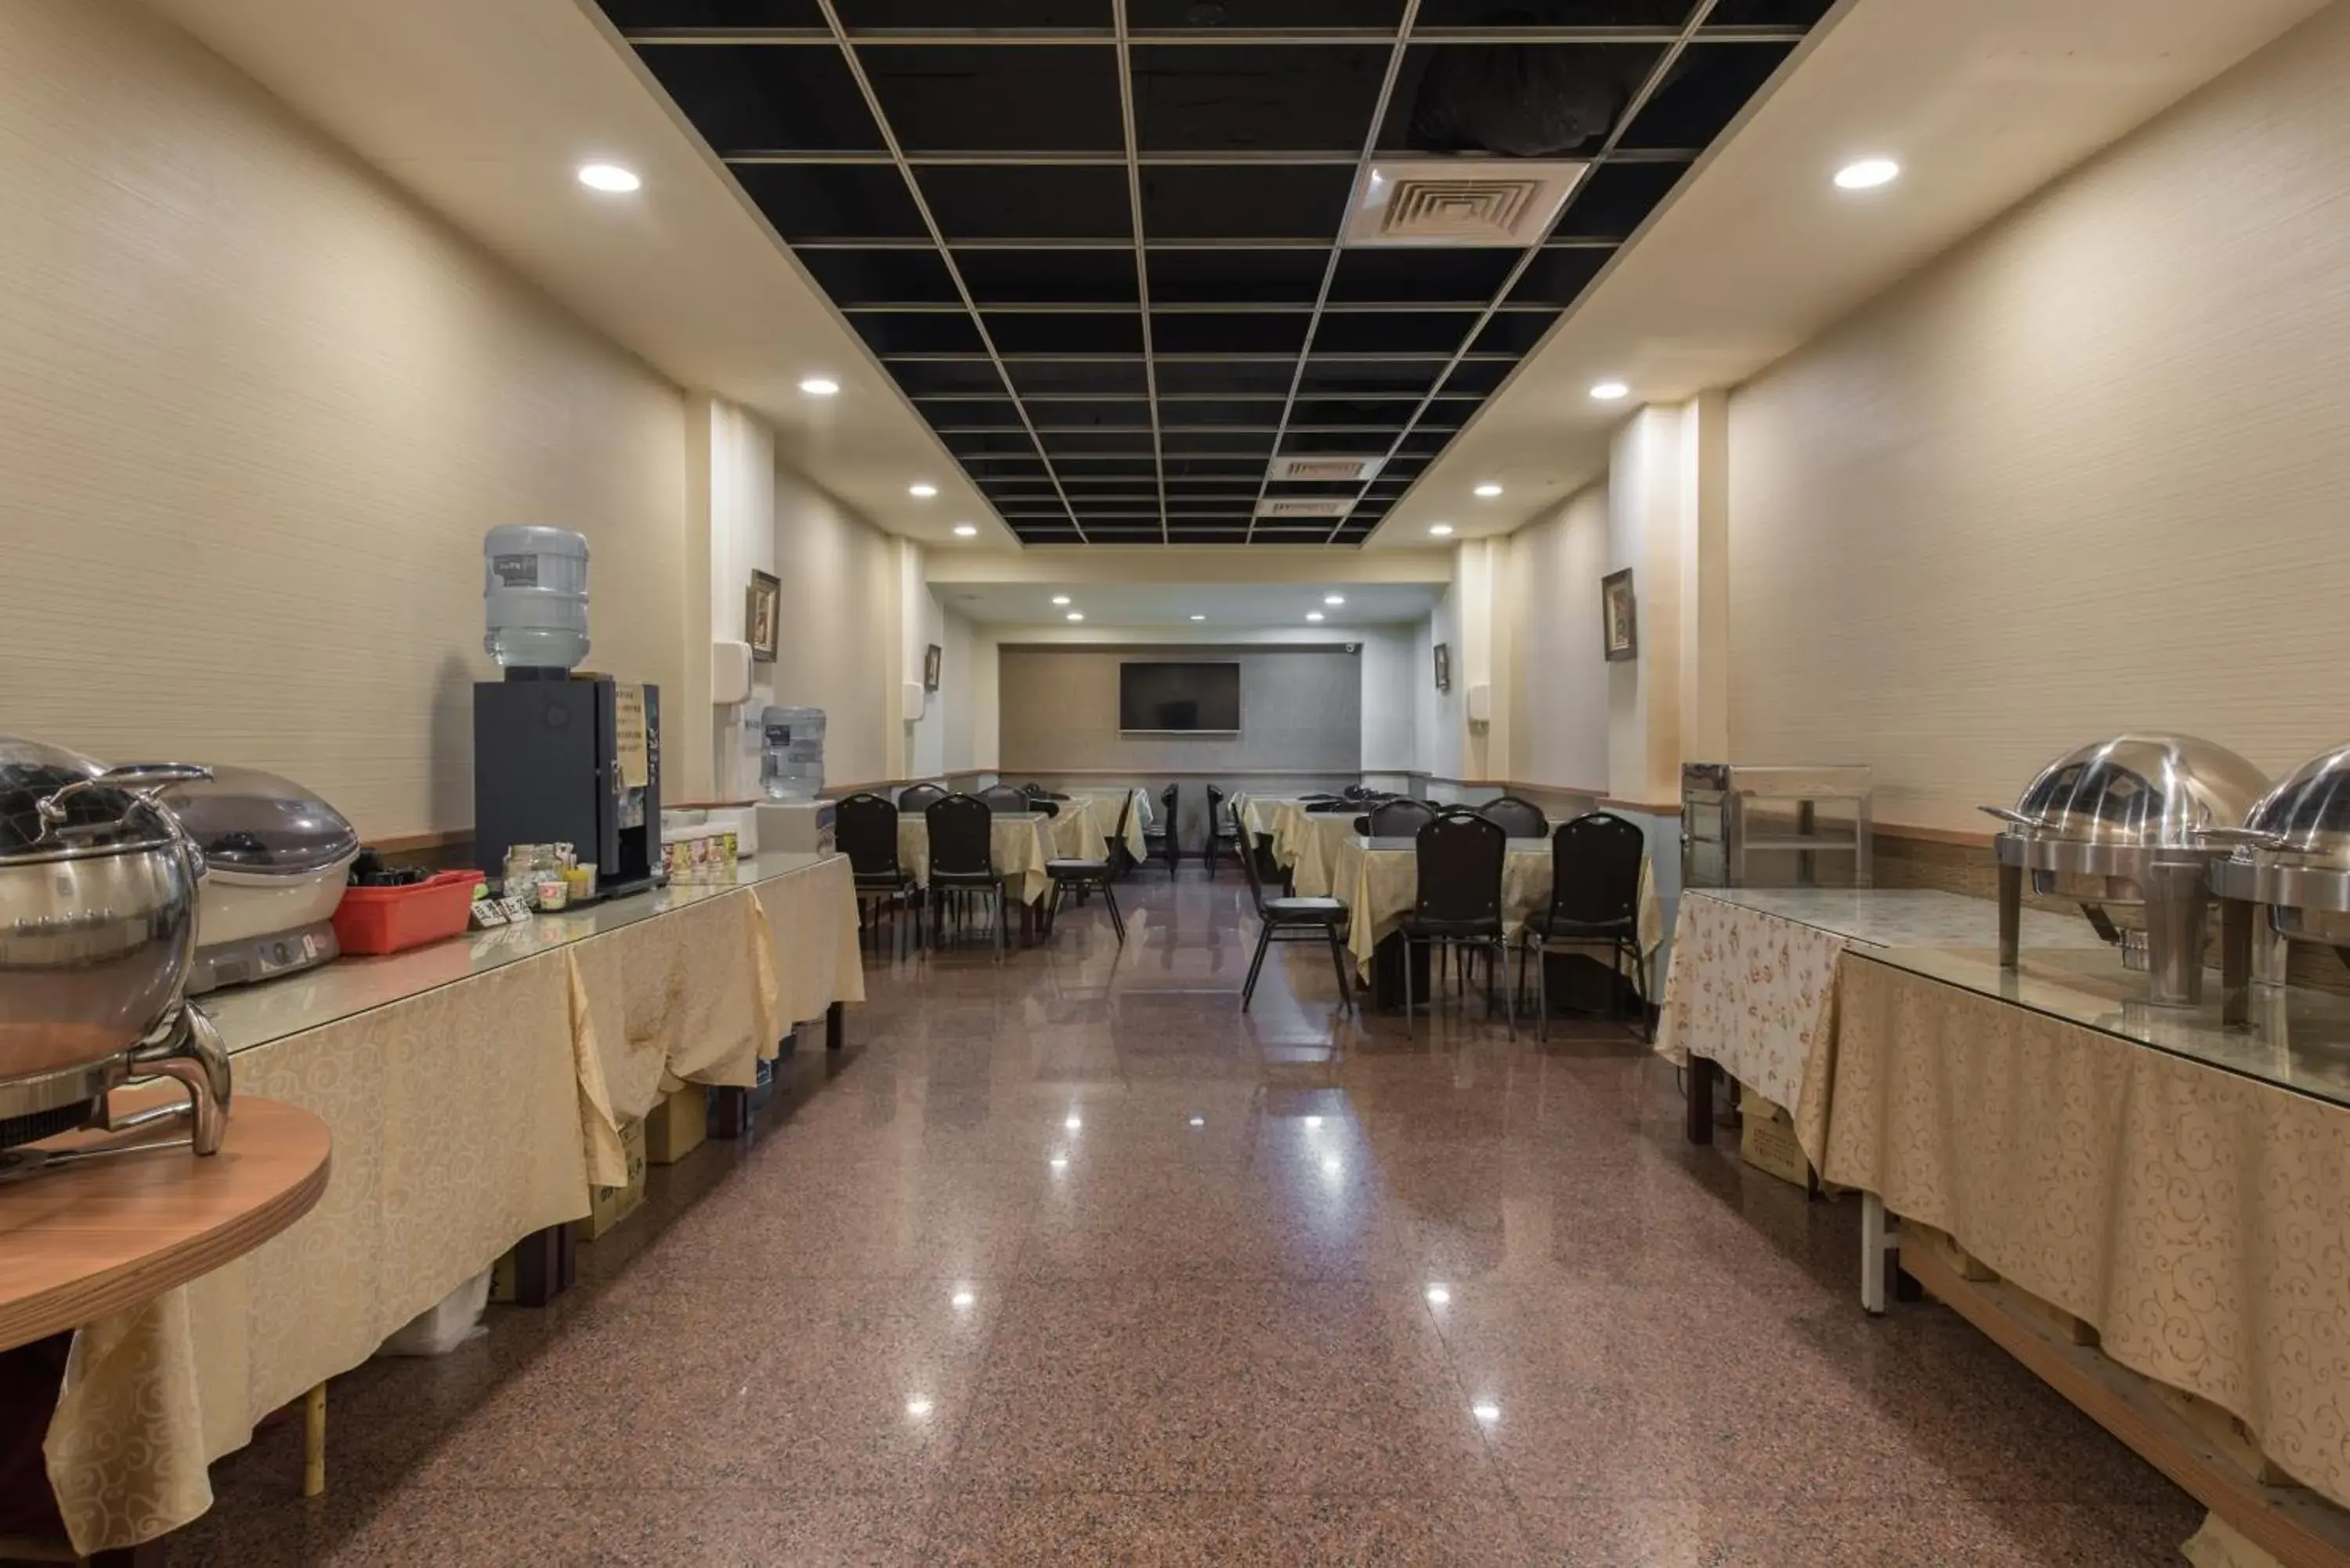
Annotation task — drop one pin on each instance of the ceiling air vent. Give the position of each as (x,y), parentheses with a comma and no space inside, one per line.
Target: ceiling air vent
(1337,470)
(1461,202)
(1336,507)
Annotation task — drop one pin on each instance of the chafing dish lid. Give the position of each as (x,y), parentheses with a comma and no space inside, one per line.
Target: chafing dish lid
(257,823)
(2140,790)
(32,770)
(2306,819)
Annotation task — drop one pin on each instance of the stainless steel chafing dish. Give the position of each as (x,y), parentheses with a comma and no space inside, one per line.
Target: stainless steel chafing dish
(2132,822)
(2288,878)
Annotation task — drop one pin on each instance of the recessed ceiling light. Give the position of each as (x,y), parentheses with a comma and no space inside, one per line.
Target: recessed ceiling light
(1334,598)
(1313,614)
(965,531)
(1077,615)
(1608,391)
(1440,529)
(1868,173)
(921,492)
(819,386)
(1199,618)
(609,177)
(1488,490)
(1060,599)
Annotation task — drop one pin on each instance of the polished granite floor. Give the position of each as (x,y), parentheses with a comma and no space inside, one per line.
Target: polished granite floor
(1069,1261)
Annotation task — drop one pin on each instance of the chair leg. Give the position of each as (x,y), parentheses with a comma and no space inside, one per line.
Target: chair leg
(1542,992)
(1116,917)
(1500,961)
(1256,964)
(1338,963)
(1411,1019)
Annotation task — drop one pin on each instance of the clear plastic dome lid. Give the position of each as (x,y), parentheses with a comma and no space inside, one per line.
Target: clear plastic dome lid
(257,823)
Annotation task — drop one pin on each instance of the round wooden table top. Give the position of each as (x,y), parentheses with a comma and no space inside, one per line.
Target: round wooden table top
(82,1241)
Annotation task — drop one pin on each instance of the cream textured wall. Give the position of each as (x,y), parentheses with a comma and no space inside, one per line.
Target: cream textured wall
(957,693)
(837,647)
(1390,668)
(256,410)
(1560,724)
(738,450)
(2089,471)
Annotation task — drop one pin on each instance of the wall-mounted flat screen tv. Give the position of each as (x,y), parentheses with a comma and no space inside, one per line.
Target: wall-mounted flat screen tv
(1180,699)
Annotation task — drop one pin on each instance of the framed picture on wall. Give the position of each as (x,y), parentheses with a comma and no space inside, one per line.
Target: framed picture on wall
(930,657)
(1619,629)
(1444,666)
(762,607)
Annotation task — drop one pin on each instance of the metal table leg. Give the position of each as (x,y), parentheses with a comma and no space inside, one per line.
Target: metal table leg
(1702,1073)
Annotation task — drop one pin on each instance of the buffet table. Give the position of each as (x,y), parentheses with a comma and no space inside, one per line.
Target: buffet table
(2181,1188)
(473,1090)
(1753,976)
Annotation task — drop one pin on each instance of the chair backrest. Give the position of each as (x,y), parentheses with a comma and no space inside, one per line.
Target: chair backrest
(1256,884)
(1460,856)
(963,836)
(1400,818)
(1004,798)
(1167,801)
(917,797)
(1595,871)
(865,826)
(1518,818)
(1125,820)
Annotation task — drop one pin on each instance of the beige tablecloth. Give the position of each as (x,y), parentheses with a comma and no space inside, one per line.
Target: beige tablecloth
(1019,846)
(1753,987)
(1381,887)
(1108,802)
(463,1117)
(1307,845)
(2199,1219)
(1077,833)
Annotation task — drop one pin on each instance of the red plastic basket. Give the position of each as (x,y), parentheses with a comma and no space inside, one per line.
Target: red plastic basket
(389,919)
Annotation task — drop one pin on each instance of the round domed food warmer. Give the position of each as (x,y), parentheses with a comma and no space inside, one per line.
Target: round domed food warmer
(97,927)
(2287,879)
(2132,822)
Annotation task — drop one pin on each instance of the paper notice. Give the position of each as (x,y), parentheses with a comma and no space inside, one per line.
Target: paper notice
(628,735)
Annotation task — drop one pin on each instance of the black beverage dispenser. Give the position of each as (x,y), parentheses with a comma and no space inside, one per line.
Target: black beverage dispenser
(559,758)
(555,761)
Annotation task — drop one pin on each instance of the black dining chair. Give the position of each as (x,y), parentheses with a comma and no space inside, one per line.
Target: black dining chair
(963,861)
(1010,801)
(1223,829)
(1290,920)
(1595,899)
(1398,818)
(1164,837)
(864,828)
(1458,906)
(917,797)
(1518,818)
(1090,876)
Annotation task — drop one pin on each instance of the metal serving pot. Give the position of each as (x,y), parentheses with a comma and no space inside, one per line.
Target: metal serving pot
(98,925)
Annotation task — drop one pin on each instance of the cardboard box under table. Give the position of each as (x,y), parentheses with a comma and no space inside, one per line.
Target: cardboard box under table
(473,1091)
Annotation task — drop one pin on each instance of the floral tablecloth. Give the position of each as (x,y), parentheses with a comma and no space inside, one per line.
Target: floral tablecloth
(1379,885)
(1752,985)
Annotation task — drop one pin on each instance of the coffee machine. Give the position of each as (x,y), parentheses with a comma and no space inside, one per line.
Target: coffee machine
(559,758)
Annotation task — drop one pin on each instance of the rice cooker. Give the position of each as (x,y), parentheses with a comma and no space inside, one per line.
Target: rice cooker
(276,860)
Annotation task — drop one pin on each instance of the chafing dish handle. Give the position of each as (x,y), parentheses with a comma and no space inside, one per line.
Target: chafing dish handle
(2004,814)
(139,778)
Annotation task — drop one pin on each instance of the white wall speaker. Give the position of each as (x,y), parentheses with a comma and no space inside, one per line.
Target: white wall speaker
(730,672)
(1481,704)
(916,701)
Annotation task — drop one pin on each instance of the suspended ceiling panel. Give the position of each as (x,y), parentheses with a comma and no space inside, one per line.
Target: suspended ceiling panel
(1127,257)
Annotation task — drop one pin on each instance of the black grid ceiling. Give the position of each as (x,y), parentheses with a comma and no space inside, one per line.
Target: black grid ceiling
(1097,241)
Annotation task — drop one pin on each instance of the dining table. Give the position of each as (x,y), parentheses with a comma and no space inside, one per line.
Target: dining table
(1378,880)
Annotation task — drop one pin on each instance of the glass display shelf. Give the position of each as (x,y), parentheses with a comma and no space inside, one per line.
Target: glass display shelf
(2298,1039)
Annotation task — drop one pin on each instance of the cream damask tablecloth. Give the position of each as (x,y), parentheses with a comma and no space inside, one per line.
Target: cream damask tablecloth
(1020,846)
(2199,1217)
(1380,886)
(1077,833)
(1108,802)
(464,1116)
(1752,986)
